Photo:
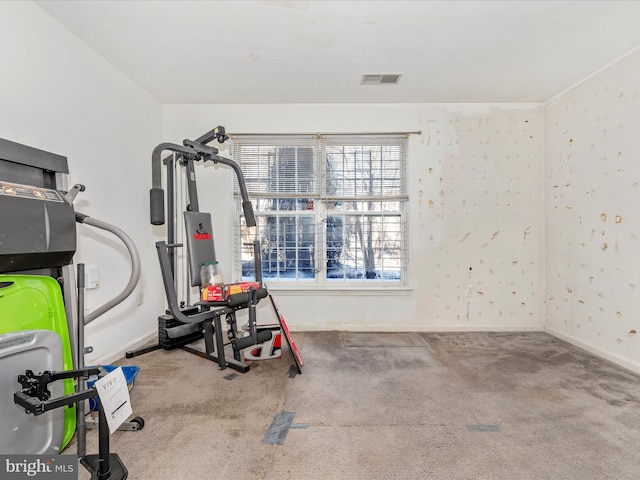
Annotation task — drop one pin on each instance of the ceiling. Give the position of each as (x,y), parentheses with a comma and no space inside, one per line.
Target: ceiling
(296,51)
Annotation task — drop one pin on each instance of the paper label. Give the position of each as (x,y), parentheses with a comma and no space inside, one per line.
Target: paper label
(114,398)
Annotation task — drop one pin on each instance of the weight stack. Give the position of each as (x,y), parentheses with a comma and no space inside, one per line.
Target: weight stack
(173,333)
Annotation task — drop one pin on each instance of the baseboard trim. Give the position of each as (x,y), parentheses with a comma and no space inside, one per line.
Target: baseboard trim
(595,350)
(415,328)
(120,354)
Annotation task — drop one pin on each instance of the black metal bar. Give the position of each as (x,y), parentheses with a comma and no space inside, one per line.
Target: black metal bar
(38,407)
(219,342)
(233,326)
(171,211)
(253,331)
(33,157)
(257,260)
(81,385)
(156,160)
(236,365)
(217,133)
(192,188)
(246,203)
(49,377)
(104,469)
(142,351)
(208,339)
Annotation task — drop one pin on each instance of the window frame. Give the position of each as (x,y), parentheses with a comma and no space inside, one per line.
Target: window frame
(323,200)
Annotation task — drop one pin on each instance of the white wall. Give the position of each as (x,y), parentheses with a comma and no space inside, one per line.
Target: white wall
(476,216)
(60,96)
(592,179)
(477,182)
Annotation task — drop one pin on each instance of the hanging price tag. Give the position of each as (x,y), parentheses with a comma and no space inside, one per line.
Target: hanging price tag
(114,398)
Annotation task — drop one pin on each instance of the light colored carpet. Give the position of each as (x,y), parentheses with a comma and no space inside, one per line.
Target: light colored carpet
(387,406)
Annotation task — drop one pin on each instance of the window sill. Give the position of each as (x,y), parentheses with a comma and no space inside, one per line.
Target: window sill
(332,290)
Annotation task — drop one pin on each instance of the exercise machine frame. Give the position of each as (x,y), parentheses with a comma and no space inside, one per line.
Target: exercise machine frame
(207,315)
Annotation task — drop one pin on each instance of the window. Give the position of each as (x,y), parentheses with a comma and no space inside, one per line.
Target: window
(330,209)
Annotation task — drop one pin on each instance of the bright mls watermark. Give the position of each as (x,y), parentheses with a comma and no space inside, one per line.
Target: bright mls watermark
(45,467)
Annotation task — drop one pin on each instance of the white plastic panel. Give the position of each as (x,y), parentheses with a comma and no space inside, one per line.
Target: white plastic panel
(36,350)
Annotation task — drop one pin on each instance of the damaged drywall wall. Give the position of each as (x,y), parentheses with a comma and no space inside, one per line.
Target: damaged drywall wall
(475,214)
(592,221)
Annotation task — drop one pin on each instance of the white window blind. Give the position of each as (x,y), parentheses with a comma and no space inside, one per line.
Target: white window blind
(276,166)
(329,208)
(365,168)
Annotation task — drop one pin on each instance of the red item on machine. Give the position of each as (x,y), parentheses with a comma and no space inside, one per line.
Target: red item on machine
(218,293)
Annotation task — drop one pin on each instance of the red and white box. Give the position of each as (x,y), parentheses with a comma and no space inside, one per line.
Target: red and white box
(219,293)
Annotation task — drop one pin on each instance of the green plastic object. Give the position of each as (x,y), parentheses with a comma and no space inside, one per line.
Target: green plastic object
(33,302)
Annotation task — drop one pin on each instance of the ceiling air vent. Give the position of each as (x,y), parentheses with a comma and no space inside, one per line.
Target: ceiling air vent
(380,78)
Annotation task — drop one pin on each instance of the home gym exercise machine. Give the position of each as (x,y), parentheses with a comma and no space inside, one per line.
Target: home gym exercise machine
(186,322)
(42,302)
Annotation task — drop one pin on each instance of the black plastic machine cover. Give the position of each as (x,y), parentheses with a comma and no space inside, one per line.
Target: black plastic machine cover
(38,228)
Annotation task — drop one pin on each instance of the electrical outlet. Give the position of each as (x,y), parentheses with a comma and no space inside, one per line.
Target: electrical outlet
(469,290)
